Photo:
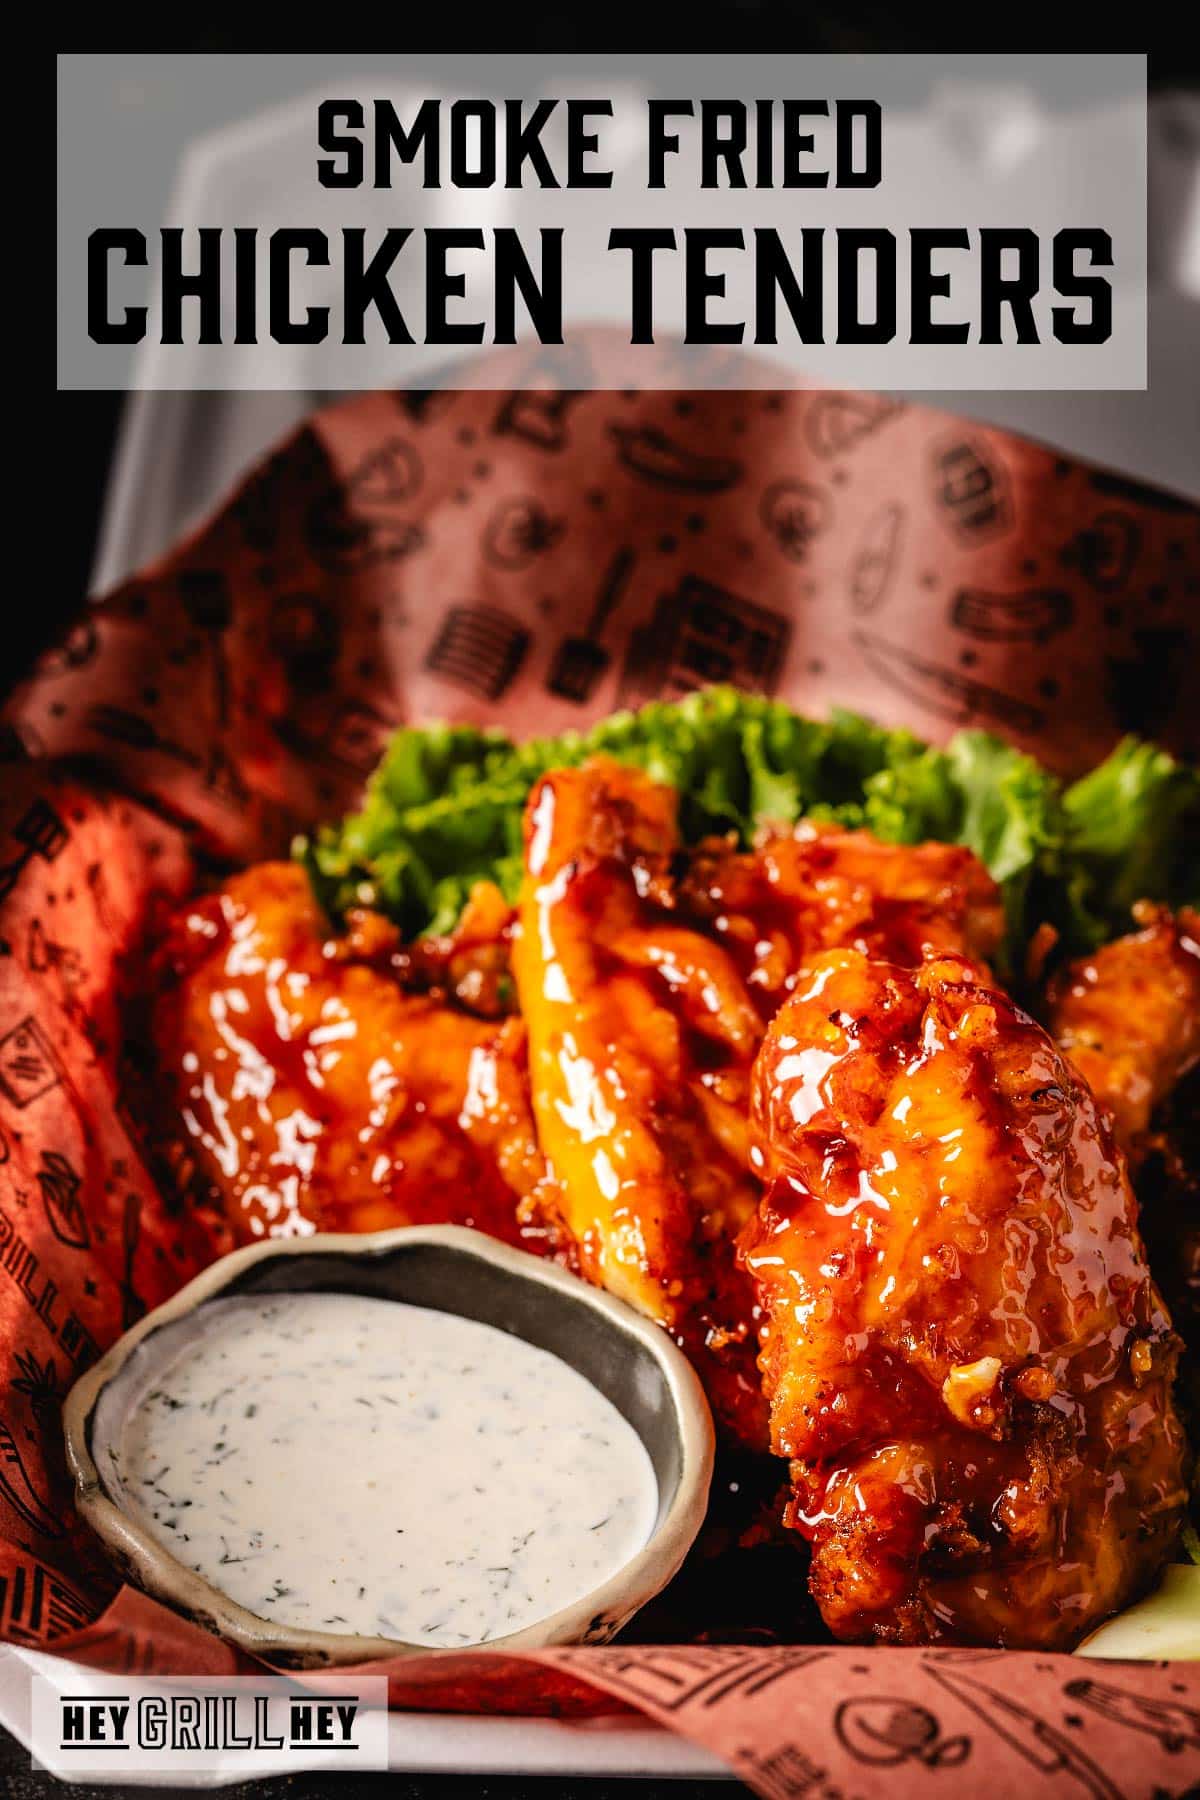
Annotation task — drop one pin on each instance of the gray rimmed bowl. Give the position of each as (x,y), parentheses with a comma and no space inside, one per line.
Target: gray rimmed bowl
(449,1269)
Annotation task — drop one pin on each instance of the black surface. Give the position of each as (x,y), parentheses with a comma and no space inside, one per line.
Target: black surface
(85,430)
(848,26)
(19,1782)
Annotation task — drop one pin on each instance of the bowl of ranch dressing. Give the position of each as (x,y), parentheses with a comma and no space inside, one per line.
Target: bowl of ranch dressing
(329,1449)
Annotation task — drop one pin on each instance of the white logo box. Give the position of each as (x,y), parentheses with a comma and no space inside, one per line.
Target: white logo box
(415,1743)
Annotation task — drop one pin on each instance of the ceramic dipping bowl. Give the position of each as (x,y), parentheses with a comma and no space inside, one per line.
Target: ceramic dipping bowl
(450,1269)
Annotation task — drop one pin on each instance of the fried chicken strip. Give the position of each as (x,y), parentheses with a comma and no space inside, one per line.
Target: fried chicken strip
(646,980)
(822,888)
(968,1364)
(1128,1016)
(316,1093)
(641,1038)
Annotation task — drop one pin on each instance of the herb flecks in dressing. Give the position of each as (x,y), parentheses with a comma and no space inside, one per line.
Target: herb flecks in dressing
(350,1465)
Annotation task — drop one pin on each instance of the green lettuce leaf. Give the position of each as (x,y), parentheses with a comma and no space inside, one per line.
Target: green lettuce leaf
(1133,833)
(443,810)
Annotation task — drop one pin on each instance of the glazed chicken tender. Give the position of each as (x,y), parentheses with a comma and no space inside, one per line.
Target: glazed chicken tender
(646,980)
(968,1365)
(1128,1016)
(315,1093)
(641,1038)
(820,887)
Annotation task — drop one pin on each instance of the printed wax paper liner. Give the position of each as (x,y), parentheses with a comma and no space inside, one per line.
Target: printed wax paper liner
(536,557)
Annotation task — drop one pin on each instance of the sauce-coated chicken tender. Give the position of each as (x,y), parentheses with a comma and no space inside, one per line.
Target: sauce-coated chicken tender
(641,1038)
(1128,1016)
(315,1093)
(646,981)
(968,1364)
(822,888)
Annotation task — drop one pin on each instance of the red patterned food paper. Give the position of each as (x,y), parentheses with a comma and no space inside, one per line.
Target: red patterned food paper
(536,559)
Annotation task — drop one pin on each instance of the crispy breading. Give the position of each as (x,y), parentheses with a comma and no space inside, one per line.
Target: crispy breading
(641,1037)
(313,1091)
(1128,1016)
(968,1363)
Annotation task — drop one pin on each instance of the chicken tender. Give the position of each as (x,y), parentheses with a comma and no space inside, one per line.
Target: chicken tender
(1128,1016)
(646,978)
(641,1038)
(822,888)
(968,1364)
(316,1093)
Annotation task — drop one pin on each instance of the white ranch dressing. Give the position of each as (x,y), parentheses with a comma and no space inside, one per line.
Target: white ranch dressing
(346,1464)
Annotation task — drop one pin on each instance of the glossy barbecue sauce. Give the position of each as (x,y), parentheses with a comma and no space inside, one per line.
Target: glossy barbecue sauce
(339,1084)
(640,1065)
(646,976)
(968,1364)
(820,887)
(351,1465)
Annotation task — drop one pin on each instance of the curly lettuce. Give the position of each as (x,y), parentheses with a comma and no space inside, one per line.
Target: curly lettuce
(443,809)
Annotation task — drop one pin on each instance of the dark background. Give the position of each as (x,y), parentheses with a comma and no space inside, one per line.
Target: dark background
(86,424)
(18,1782)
